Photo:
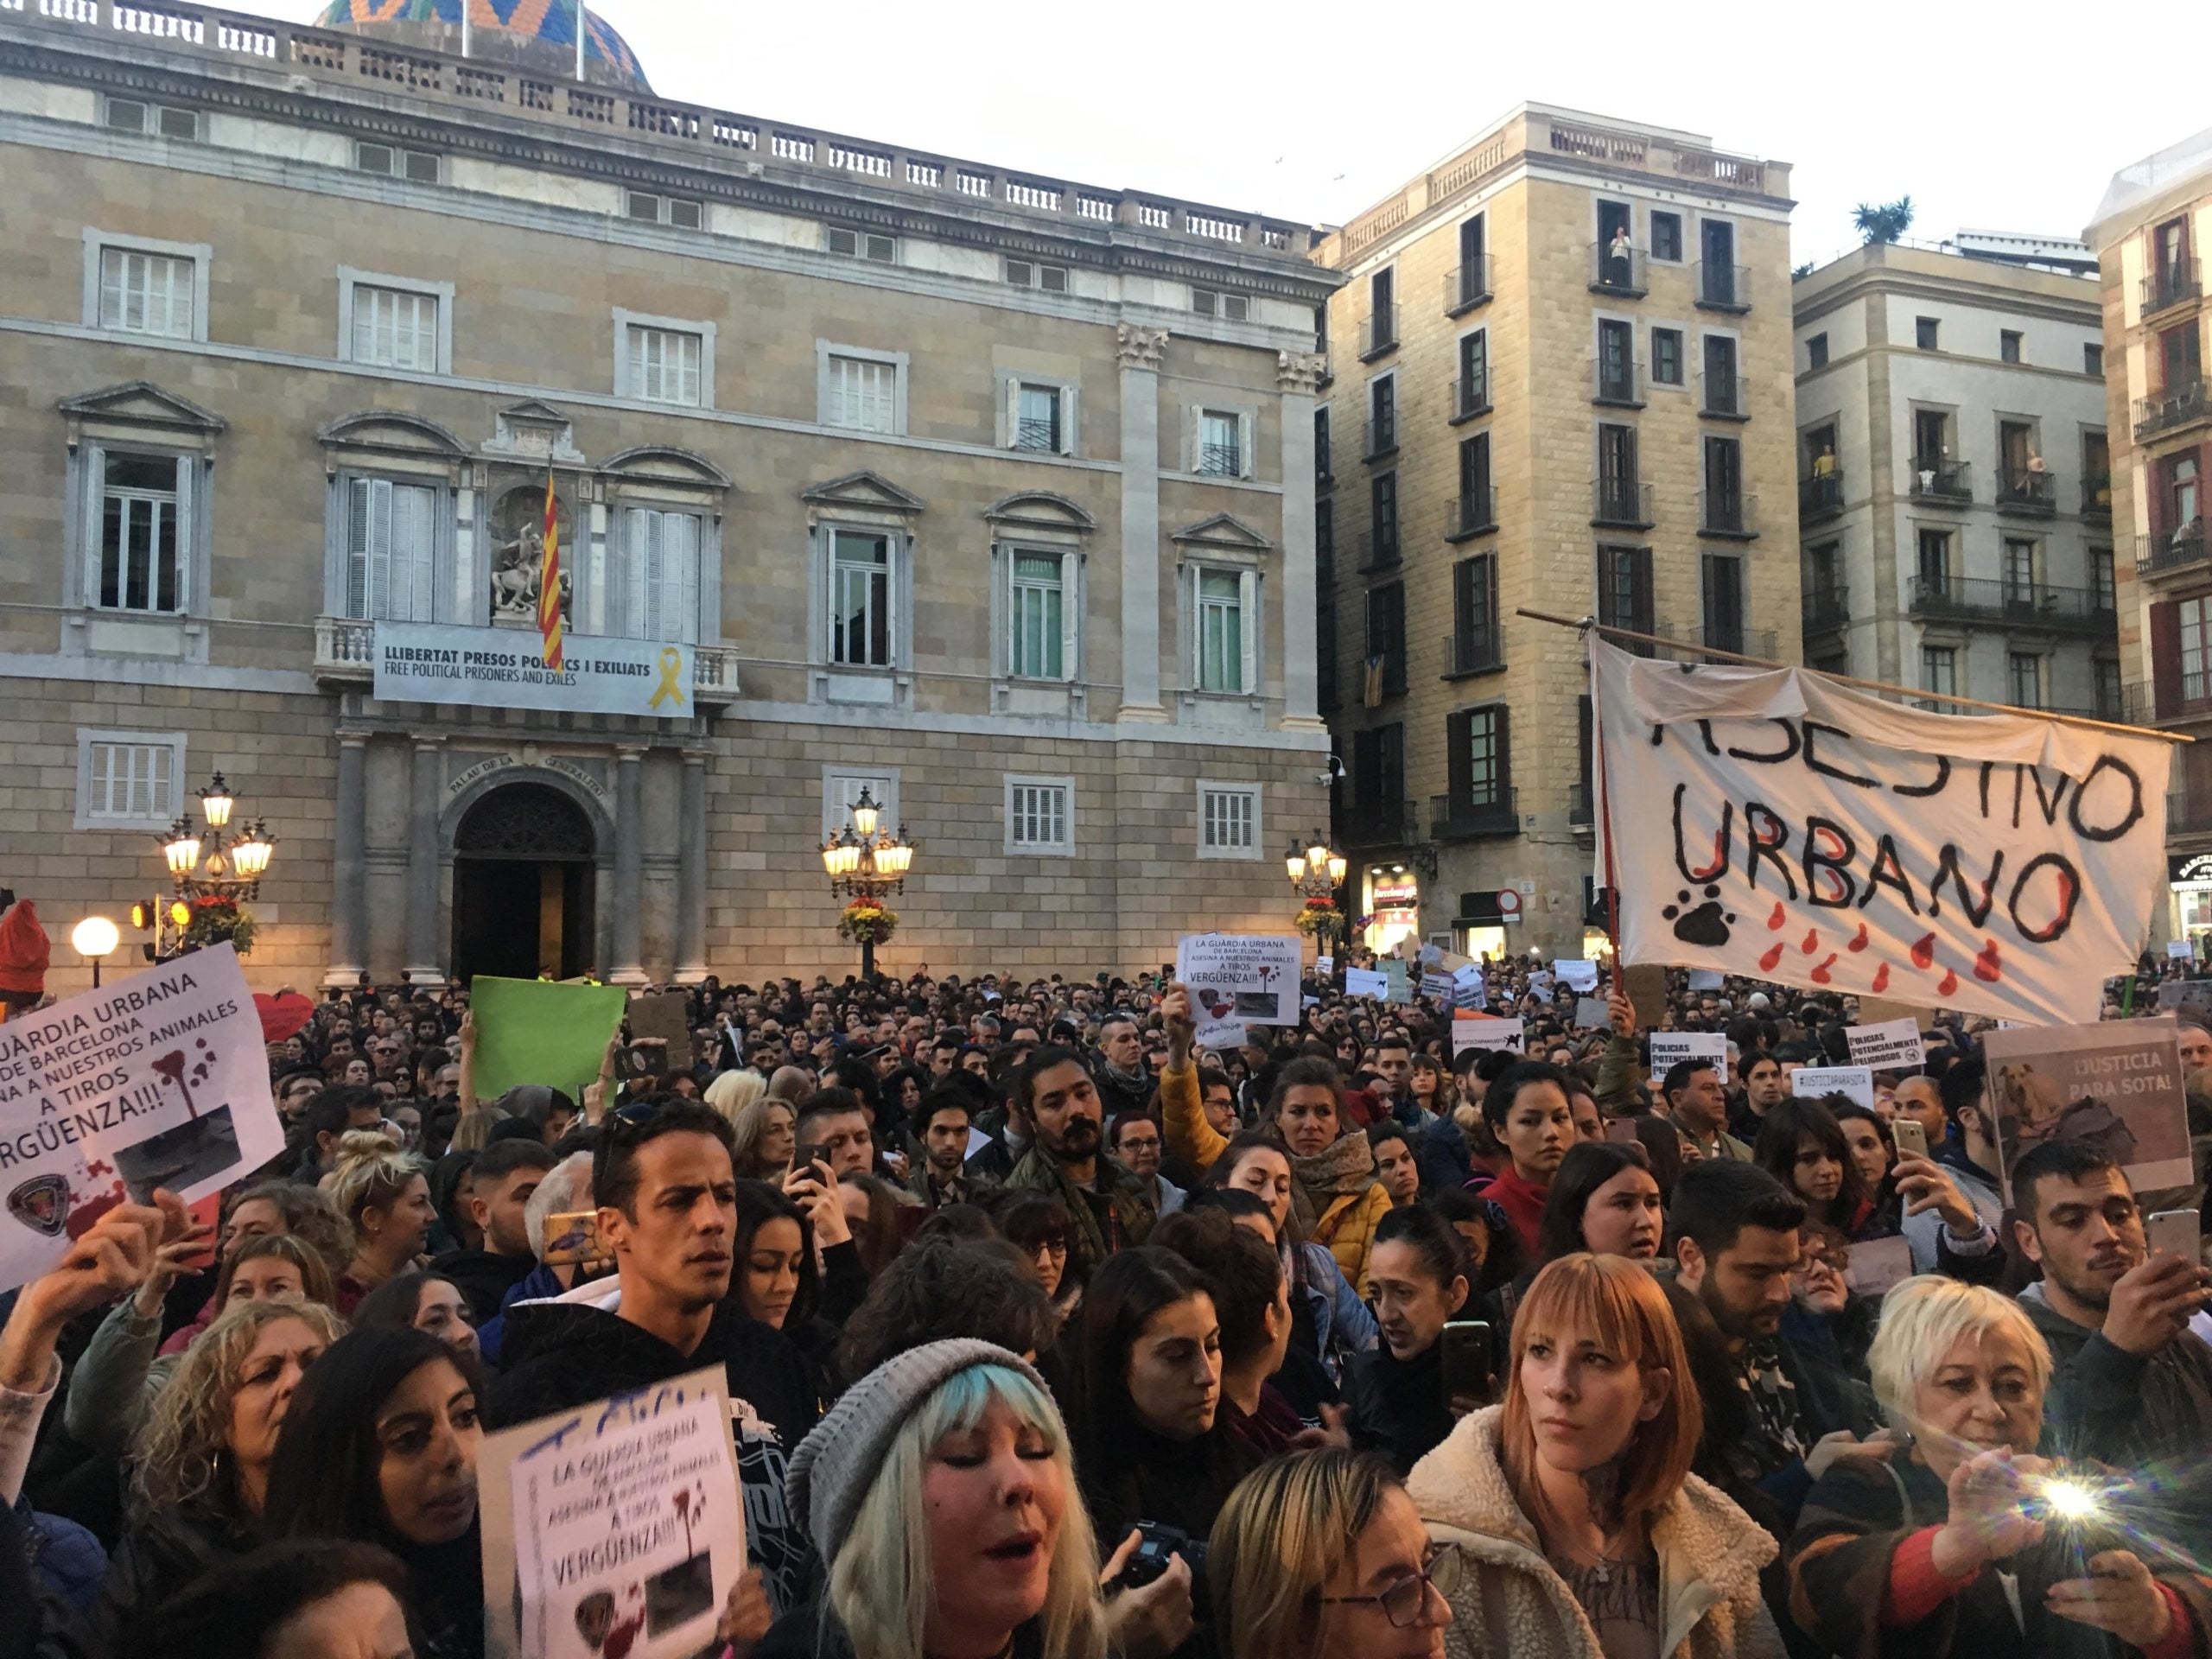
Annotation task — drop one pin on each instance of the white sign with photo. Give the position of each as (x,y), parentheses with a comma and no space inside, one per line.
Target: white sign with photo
(2114,1087)
(157,1080)
(1576,973)
(1705,979)
(505,668)
(1892,1045)
(1361,981)
(1238,980)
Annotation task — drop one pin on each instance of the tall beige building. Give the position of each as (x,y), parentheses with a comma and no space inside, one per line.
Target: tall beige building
(1560,380)
(2155,217)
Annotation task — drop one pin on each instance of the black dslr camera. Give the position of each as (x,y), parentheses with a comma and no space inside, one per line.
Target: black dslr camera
(1158,1544)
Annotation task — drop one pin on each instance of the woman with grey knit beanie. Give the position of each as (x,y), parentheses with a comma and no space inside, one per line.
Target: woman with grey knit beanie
(941,1493)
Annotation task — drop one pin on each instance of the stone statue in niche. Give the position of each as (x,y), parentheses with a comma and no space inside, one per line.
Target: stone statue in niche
(519,556)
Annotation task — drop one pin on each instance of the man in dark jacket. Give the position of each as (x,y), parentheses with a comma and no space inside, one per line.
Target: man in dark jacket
(1124,1084)
(2132,1384)
(667,1202)
(503,1176)
(1107,1208)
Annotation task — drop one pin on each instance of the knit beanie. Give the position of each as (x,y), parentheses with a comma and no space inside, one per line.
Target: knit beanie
(25,952)
(835,1466)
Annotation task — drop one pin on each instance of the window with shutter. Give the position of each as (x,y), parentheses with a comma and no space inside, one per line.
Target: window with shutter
(392,541)
(1035,616)
(132,782)
(664,365)
(1221,631)
(662,548)
(863,394)
(146,293)
(140,566)
(395,329)
(860,634)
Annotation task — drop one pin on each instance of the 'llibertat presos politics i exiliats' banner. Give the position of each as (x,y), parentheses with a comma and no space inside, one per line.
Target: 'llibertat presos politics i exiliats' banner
(1774,823)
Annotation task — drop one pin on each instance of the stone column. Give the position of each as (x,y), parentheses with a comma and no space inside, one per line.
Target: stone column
(629,866)
(349,896)
(1297,374)
(692,874)
(1140,350)
(422,953)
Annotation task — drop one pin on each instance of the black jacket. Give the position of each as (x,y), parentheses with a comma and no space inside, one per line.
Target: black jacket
(1442,1158)
(2108,1405)
(483,1277)
(162,1553)
(1135,1475)
(1397,1406)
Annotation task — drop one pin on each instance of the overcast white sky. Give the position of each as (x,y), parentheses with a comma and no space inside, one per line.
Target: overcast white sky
(1990,117)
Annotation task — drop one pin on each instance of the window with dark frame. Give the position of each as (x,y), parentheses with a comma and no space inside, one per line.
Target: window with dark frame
(1667,236)
(1666,357)
(1624,592)
(1383,519)
(1474,482)
(1474,614)
(1386,634)
(1723,574)
(2093,359)
(1925,334)
(1816,351)
(1721,389)
(1383,416)
(2008,345)
(1474,373)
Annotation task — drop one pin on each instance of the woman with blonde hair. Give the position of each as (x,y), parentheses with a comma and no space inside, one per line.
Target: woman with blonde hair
(1322,1552)
(385,1194)
(765,1130)
(1956,1546)
(940,1492)
(1583,1530)
(204,1452)
(731,1092)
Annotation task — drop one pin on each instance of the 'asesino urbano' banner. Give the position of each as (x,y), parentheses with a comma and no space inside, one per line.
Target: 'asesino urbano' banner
(505,668)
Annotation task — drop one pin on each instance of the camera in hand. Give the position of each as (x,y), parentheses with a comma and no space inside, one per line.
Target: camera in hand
(1158,1545)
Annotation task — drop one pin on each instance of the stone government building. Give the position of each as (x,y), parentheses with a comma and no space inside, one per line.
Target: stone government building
(990,491)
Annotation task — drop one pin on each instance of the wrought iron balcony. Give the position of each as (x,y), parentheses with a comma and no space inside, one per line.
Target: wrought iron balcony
(1723,288)
(1378,550)
(1827,610)
(2170,285)
(1820,497)
(1380,333)
(1475,652)
(1220,460)
(2096,496)
(2172,696)
(1369,824)
(1037,435)
(1617,381)
(1466,286)
(1620,273)
(1721,395)
(1469,397)
(1474,512)
(1382,437)
(2164,551)
(1940,479)
(1621,504)
(1581,806)
(2014,604)
(2027,490)
(1473,818)
(2174,408)
(1727,513)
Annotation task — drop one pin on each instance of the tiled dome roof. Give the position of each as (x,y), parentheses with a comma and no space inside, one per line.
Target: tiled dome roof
(548,24)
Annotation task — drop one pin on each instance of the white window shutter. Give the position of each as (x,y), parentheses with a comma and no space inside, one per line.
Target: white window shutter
(1244,456)
(357,548)
(1001,609)
(422,541)
(1071,615)
(898,552)
(379,547)
(187,523)
(1193,585)
(94,520)
(1067,420)
(1012,437)
(682,571)
(1193,436)
(1248,604)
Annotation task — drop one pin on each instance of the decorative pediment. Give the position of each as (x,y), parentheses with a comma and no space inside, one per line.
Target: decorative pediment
(391,431)
(1038,510)
(141,402)
(532,430)
(866,490)
(1224,530)
(662,463)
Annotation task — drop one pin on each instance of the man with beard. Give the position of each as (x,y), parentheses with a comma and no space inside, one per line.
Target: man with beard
(1736,1249)
(1107,1208)
(2131,1382)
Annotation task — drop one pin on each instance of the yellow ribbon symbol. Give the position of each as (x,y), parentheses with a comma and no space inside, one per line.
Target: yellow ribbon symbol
(671,664)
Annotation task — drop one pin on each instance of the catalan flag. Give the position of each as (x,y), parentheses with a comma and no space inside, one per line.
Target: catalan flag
(548,581)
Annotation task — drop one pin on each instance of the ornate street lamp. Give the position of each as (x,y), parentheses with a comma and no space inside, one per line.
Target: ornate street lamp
(1317,870)
(217,863)
(864,864)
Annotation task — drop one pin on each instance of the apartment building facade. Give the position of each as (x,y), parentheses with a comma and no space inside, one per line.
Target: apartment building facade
(2150,233)
(986,491)
(1560,381)
(1955,493)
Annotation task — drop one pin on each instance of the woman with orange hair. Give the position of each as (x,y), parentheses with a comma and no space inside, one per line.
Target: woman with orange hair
(1585,1534)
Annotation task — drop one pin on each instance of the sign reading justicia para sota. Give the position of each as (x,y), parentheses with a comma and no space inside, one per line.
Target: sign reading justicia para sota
(505,668)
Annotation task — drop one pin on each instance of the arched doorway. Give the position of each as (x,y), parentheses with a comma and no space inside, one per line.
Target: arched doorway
(522,886)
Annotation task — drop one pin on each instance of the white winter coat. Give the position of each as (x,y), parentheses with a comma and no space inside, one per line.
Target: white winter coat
(1511,1604)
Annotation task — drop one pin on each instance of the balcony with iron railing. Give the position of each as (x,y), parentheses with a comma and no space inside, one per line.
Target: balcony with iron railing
(1037,435)
(1381,436)
(1730,514)
(1826,610)
(1469,397)
(1723,288)
(2028,489)
(1474,512)
(2014,604)
(1365,825)
(2181,405)
(1720,397)
(1378,550)
(1623,504)
(345,653)
(1621,275)
(1475,816)
(1616,382)
(2179,696)
(1938,478)
(1581,806)
(1820,496)
(2166,552)
(2171,285)
(1379,334)
(2096,496)
(1466,286)
(1470,651)
(1220,460)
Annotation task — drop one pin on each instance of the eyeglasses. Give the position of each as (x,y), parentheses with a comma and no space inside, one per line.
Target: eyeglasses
(1404,1601)
(1055,1249)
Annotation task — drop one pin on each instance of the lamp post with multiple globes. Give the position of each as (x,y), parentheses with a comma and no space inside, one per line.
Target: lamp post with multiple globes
(864,863)
(212,866)
(1317,870)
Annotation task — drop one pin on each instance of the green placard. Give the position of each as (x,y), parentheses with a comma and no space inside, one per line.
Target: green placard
(534,1031)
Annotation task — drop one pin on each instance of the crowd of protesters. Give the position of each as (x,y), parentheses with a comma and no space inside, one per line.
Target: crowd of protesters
(1053,1336)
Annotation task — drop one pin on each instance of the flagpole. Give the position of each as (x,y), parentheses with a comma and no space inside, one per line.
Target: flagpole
(1590,625)
(580,39)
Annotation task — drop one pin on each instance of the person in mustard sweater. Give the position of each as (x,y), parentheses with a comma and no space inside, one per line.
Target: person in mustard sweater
(1333,1191)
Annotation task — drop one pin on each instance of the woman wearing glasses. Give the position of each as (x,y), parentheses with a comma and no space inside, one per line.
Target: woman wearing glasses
(1583,1530)
(1323,1553)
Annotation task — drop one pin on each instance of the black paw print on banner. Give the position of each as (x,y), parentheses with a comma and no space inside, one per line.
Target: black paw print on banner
(1706,925)
(206,1061)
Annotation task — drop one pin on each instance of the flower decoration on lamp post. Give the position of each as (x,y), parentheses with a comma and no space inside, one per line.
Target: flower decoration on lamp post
(1317,870)
(865,863)
(214,868)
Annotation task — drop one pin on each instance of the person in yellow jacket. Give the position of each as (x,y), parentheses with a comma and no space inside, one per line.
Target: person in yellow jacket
(1333,1191)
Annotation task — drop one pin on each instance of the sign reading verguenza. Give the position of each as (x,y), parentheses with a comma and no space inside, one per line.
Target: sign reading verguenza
(504,668)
